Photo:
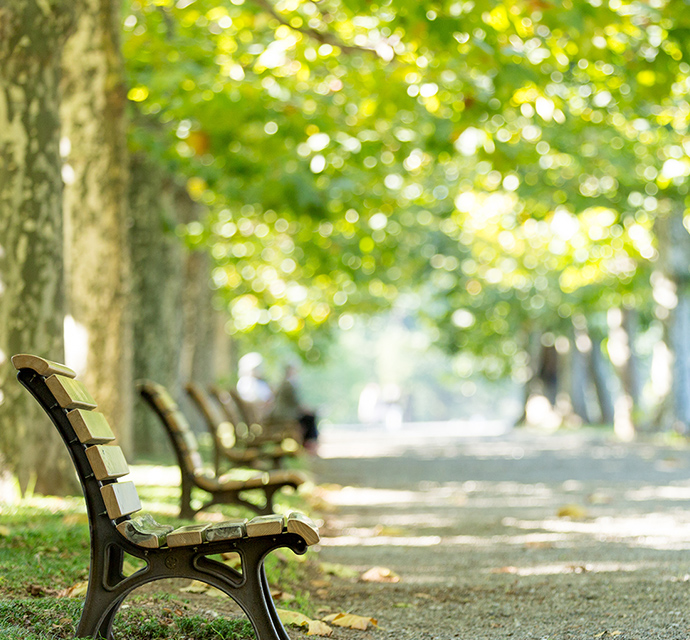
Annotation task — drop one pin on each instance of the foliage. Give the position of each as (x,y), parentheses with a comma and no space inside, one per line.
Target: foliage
(505,159)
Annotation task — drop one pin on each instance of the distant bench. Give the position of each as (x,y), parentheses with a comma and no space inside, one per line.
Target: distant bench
(168,552)
(222,429)
(260,429)
(222,490)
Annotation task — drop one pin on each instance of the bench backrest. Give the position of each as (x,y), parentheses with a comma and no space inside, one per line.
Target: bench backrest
(221,429)
(85,431)
(176,425)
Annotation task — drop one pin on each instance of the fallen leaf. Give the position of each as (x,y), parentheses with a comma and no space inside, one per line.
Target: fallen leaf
(4,531)
(339,570)
(320,583)
(504,570)
(37,591)
(77,590)
(283,596)
(382,530)
(538,544)
(294,618)
(380,574)
(318,628)
(572,511)
(351,621)
(195,586)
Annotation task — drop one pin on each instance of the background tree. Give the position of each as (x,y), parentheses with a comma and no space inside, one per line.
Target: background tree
(96,217)
(32,35)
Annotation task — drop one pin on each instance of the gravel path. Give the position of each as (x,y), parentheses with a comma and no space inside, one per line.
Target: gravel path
(472,527)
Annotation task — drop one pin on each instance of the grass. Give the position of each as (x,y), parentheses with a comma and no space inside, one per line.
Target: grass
(56,619)
(44,550)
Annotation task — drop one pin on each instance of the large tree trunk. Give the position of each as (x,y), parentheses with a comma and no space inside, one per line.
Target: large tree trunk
(31,251)
(197,356)
(96,177)
(671,289)
(158,258)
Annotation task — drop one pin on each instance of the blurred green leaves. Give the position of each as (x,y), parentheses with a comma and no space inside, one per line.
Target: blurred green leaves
(505,160)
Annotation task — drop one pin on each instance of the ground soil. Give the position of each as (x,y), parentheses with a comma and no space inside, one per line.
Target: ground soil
(525,535)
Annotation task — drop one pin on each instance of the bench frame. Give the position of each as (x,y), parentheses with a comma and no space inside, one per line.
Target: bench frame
(108,586)
(191,479)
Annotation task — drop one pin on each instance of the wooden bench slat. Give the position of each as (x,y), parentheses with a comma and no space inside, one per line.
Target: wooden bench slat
(163,399)
(227,530)
(269,525)
(144,531)
(301,525)
(41,365)
(70,394)
(107,462)
(120,499)
(189,535)
(91,427)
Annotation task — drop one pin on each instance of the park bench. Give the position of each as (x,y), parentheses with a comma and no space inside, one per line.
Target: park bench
(258,429)
(168,553)
(225,440)
(222,490)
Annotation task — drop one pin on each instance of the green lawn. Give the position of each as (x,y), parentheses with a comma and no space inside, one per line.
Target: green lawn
(44,563)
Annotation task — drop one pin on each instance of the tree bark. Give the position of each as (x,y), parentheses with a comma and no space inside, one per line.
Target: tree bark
(579,375)
(158,258)
(600,377)
(96,176)
(671,289)
(32,35)
(621,349)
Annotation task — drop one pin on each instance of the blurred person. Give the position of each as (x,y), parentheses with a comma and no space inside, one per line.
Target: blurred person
(369,406)
(287,407)
(251,386)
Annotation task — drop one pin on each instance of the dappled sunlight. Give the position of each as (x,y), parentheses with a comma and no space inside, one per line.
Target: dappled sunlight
(357,441)
(155,475)
(667,492)
(569,567)
(366,496)
(651,530)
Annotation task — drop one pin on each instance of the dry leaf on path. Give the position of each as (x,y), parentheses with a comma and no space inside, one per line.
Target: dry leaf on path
(318,628)
(297,619)
(293,617)
(504,570)
(195,586)
(572,511)
(351,621)
(380,574)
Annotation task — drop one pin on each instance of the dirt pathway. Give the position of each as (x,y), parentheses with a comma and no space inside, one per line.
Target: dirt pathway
(472,527)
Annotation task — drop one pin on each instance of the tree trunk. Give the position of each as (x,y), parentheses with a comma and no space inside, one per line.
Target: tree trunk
(671,289)
(621,349)
(579,375)
(600,376)
(96,177)
(31,251)
(157,284)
